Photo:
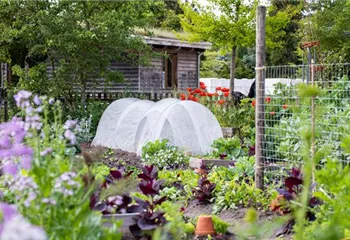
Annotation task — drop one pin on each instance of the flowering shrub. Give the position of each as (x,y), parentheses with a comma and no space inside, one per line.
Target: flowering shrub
(162,155)
(40,176)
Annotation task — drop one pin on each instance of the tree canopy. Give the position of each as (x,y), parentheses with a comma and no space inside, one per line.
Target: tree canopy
(78,39)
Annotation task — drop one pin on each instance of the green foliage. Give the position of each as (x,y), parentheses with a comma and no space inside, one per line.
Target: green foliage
(235,188)
(220,225)
(178,183)
(330,26)
(77,40)
(93,109)
(230,146)
(177,226)
(162,155)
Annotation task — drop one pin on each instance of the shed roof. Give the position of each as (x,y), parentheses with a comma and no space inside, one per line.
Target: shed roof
(177,43)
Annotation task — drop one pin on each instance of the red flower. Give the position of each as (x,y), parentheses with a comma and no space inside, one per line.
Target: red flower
(203,87)
(189,89)
(197,90)
(202,94)
(218,88)
(225,89)
(201,83)
(196,99)
(268,99)
(210,94)
(182,95)
(183,98)
(222,101)
(190,97)
(253,103)
(216,94)
(272,113)
(285,106)
(226,94)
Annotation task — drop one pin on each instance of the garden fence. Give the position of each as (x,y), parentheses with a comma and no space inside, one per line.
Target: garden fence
(287,115)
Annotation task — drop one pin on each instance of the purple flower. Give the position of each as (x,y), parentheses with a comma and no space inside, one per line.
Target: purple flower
(8,211)
(26,162)
(10,168)
(68,134)
(37,100)
(21,98)
(69,124)
(51,101)
(46,151)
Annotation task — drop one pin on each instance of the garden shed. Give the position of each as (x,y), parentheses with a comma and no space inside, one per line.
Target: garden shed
(179,70)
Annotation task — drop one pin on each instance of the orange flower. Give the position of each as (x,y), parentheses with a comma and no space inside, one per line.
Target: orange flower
(218,88)
(272,113)
(253,103)
(216,94)
(196,99)
(203,87)
(268,99)
(202,94)
(285,106)
(222,101)
(189,89)
(226,94)
(183,98)
(182,95)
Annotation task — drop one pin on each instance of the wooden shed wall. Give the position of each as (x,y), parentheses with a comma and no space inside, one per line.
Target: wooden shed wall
(151,77)
(187,70)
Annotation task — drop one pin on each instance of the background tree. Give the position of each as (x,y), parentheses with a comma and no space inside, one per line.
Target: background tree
(285,16)
(328,21)
(78,40)
(228,24)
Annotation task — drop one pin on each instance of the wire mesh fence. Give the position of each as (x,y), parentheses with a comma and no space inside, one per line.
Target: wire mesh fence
(288,116)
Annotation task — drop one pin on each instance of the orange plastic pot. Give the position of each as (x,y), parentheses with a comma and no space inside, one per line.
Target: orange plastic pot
(205,226)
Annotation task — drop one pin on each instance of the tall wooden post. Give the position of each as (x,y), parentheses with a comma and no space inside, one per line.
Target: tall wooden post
(260,96)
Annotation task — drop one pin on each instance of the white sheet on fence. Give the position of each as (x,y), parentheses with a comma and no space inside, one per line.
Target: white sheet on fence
(186,124)
(243,85)
(107,127)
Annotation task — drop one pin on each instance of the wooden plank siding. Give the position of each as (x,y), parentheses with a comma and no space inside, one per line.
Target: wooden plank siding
(151,77)
(146,79)
(187,70)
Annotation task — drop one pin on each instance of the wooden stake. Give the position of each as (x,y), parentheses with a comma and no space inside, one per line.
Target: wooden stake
(260,96)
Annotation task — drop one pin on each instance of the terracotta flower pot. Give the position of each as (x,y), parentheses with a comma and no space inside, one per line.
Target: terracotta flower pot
(205,226)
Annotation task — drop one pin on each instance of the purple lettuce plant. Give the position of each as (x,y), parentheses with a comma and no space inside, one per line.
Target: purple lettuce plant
(149,218)
(204,191)
(113,204)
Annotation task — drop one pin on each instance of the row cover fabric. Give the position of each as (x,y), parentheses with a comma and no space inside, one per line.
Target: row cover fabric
(129,123)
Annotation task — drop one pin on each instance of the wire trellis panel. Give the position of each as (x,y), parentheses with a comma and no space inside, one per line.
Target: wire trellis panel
(287,115)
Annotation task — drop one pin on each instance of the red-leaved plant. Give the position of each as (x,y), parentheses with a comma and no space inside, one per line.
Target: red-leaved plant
(149,218)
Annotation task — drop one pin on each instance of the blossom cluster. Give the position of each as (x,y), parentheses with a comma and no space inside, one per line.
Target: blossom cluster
(66,184)
(195,94)
(14,226)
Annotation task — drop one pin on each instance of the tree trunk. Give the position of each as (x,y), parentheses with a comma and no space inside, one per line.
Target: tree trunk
(233,70)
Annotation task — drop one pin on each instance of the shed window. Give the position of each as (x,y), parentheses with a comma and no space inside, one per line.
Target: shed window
(170,71)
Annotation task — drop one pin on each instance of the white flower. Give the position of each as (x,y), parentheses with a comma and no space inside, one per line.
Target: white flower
(19,228)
